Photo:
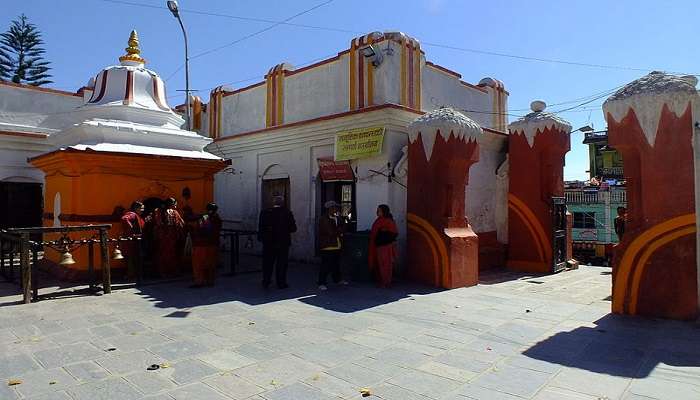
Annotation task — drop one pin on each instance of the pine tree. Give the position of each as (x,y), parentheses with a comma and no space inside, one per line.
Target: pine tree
(21,54)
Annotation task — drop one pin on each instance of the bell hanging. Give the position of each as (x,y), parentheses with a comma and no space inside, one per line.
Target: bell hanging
(117,255)
(67,259)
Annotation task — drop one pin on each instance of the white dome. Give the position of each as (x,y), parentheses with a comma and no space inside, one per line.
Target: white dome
(131,85)
(537,121)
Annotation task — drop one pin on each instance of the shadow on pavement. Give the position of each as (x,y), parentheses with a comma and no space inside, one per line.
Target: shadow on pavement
(246,288)
(623,346)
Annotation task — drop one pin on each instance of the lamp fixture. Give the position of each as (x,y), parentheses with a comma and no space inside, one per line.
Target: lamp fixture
(373,54)
(173,7)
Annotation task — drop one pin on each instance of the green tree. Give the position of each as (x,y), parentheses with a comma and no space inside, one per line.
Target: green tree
(21,54)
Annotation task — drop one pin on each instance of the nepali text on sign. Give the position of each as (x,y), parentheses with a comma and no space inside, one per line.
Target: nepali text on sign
(359,143)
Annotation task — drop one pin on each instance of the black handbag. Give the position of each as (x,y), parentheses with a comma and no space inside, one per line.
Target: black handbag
(384,238)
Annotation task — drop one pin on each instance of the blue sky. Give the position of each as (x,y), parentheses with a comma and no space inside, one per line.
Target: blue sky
(83,36)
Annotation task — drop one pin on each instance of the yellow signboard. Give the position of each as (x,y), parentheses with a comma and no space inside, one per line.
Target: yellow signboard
(359,143)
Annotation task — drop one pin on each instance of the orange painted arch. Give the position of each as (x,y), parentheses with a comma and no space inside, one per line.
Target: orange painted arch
(533,224)
(627,266)
(419,224)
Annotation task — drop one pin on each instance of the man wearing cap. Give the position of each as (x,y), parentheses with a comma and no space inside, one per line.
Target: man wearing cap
(330,232)
(275,226)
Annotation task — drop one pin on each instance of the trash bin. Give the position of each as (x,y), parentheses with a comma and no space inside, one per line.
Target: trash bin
(355,255)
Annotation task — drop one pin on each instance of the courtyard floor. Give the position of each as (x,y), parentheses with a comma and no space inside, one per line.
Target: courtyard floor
(513,337)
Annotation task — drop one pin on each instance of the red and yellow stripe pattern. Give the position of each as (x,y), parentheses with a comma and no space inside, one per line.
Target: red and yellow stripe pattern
(214,111)
(361,73)
(436,244)
(274,109)
(537,233)
(633,262)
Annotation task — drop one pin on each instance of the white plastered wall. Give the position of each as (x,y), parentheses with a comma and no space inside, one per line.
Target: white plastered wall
(481,192)
(295,150)
(319,91)
(440,89)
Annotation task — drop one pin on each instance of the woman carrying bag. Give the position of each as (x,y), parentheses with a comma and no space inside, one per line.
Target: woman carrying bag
(382,246)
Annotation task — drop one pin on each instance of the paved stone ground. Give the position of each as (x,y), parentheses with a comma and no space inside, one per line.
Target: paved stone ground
(513,337)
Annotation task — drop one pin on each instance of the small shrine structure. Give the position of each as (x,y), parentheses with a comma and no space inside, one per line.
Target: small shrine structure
(123,144)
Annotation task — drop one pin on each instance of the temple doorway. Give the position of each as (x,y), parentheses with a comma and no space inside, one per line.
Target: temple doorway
(21,204)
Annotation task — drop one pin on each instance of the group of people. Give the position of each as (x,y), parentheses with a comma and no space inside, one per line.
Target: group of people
(276,225)
(170,242)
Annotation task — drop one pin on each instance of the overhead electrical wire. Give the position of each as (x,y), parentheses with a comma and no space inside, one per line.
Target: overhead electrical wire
(250,35)
(432,44)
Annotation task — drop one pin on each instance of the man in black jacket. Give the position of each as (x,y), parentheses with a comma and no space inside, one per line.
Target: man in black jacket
(275,226)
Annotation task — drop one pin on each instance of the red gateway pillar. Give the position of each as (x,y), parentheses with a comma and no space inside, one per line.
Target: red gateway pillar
(443,250)
(650,123)
(537,144)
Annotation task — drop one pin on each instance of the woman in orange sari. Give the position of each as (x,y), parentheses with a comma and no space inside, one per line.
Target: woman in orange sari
(382,246)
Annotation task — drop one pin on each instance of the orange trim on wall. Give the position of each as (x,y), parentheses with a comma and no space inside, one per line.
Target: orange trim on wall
(129,91)
(243,89)
(642,264)
(627,265)
(418,78)
(25,134)
(40,89)
(527,215)
(530,228)
(352,80)
(323,118)
(442,271)
(433,251)
(443,69)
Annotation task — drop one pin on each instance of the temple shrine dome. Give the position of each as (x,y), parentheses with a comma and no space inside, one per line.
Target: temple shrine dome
(127,112)
(130,91)
(447,122)
(538,121)
(648,95)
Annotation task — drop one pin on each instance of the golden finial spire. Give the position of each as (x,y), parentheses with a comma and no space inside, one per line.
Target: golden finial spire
(133,51)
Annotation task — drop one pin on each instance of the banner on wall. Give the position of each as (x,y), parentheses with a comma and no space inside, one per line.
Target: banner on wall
(335,171)
(359,143)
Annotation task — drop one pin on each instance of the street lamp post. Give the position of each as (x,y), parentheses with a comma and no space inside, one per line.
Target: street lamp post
(173,7)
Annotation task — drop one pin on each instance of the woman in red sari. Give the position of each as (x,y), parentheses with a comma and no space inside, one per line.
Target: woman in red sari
(133,225)
(205,247)
(382,246)
(169,235)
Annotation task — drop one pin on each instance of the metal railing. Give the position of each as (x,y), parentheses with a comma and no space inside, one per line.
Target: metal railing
(233,236)
(17,241)
(593,197)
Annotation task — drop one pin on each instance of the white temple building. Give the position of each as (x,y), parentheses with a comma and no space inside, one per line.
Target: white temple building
(337,130)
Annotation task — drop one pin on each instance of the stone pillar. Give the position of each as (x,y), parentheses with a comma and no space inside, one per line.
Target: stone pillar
(650,123)
(536,147)
(443,250)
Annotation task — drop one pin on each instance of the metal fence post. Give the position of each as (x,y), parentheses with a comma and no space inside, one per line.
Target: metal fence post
(106,272)
(231,258)
(2,258)
(91,263)
(25,269)
(35,277)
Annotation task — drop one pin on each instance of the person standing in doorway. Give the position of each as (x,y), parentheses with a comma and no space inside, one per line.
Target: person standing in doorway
(275,227)
(205,247)
(330,234)
(169,238)
(382,246)
(620,222)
